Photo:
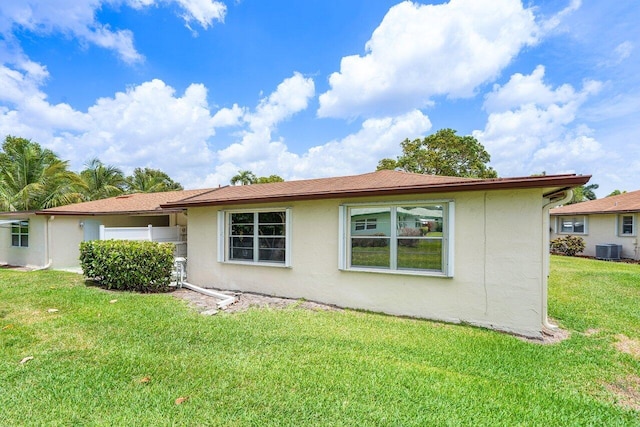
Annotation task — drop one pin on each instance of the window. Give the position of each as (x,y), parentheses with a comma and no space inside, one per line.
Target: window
(20,234)
(366,224)
(626,225)
(409,238)
(576,225)
(255,237)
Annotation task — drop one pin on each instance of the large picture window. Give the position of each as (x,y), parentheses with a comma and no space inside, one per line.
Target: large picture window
(20,234)
(407,238)
(255,237)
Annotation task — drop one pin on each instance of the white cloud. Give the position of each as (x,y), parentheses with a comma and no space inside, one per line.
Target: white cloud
(204,12)
(147,125)
(78,19)
(353,154)
(361,151)
(531,126)
(290,97)
(422,51)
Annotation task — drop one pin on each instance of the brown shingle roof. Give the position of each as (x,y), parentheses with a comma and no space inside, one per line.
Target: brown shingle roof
(137,203)
(378,183)
(626,202)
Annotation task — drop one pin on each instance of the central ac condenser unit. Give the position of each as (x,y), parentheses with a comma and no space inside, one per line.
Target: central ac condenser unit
(609,252)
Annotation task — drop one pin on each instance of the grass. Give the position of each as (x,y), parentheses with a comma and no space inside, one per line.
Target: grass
(424,255)
(92,358)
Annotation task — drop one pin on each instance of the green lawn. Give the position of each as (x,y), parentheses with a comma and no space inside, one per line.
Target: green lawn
(422,255)
(296,367)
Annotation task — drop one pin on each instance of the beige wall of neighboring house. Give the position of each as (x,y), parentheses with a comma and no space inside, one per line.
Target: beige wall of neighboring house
(64,234)
(499,271)
(34,255)
(601,228)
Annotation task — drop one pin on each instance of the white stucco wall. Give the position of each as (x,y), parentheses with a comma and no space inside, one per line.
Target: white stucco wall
(65,235)
(32,256)
(499,263)
(602,229)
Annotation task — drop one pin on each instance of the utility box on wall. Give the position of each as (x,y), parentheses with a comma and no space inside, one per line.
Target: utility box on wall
(609,252)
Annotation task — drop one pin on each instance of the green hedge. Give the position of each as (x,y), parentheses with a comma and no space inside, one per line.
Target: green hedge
(128,265)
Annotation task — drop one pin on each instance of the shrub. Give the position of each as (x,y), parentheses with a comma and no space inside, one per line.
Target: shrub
(364,242)
(567,245)
(128,265)
(409,232)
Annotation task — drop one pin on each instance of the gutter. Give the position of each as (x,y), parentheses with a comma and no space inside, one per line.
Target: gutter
(47,239)
(565,195)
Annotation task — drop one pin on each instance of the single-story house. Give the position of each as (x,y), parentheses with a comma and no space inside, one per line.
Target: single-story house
(612,220)
(50,238)
(444,248)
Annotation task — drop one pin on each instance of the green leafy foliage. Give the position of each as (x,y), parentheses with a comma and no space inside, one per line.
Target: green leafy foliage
(32,177)
(149,180)
(584,193)
(443,153)
(246,177)
(128,265)
(567,245)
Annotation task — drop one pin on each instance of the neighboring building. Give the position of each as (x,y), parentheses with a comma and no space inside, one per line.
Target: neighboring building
(609,221)
(51,237)
(445,248)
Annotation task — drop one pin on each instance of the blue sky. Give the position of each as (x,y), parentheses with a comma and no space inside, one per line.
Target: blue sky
(204,88)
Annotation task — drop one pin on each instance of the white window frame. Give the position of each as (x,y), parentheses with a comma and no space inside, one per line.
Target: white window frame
(20,225)
(224,232)
(344,238)
(574,219)
(620,225)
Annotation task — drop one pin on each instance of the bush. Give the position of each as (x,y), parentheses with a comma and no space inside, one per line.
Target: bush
(567,245)
(409,232)
(364,242)
(128,265)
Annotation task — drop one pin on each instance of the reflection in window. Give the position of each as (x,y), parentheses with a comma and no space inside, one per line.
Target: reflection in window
(20,234)
(405,237)
(257,236)
(572,225)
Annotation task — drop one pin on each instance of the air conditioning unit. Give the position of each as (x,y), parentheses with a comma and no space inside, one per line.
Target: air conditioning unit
(609,252)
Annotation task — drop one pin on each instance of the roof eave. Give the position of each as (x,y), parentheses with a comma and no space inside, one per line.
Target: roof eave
(619,211)
(564,181)
(107,213)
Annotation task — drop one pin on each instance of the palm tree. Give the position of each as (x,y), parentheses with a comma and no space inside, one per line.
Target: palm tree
(244,178)
(150,181)
(102,180)
(583,193)
(35,178)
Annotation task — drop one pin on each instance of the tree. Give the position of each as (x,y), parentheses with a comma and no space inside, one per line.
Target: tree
(268,179)
(102,180)
(34,178)
(150,181)
(244,177)
(583,193)
(615,193)
(443,153)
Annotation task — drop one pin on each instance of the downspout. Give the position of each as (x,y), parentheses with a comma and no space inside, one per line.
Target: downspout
(568,194)
(47,238)
(225,299)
